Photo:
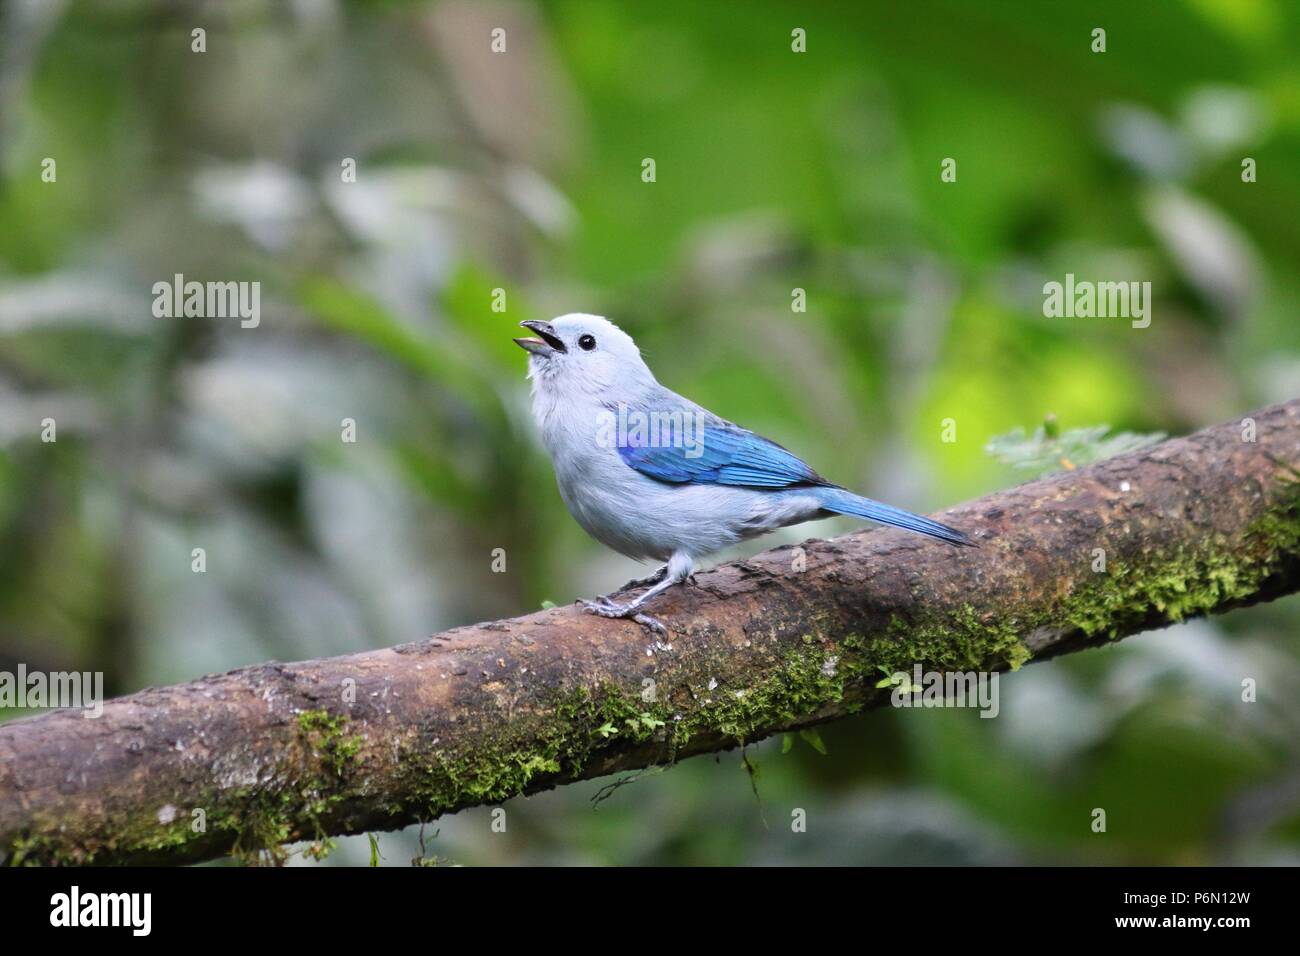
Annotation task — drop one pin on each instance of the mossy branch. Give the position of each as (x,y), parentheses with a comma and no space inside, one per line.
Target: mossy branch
(249,760)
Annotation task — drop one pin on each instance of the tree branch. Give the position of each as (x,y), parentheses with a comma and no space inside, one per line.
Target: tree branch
(269,754)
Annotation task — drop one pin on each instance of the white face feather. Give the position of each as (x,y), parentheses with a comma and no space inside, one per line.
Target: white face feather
(610,370)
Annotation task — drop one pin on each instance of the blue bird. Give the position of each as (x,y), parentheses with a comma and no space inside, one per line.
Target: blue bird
(655,476)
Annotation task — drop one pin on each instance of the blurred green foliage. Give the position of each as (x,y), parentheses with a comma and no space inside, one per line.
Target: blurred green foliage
(1047,449)
(521,172)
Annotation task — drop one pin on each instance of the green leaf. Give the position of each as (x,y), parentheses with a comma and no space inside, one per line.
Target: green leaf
(363,318)
(1050,450)
(787,742)
(467,304)
(358,315)
(374,850)
(813,739)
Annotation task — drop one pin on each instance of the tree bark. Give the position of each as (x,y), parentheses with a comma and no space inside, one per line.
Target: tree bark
(265,755)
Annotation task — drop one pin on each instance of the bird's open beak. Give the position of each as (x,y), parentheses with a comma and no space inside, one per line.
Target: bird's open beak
(547,345)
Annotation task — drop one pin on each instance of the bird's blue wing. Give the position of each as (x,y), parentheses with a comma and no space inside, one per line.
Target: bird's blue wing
(718,454)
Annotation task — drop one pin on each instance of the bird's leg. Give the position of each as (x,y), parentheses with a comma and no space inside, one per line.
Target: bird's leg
(677,569)
(644,582)
(648,580)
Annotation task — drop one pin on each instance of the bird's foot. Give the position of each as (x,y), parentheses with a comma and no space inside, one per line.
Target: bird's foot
(645,582)
(607,608)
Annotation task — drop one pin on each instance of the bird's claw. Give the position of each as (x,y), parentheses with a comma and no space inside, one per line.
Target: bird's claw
(653,623)
(607,608)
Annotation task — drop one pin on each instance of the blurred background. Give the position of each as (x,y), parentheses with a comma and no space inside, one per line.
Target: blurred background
(522,172)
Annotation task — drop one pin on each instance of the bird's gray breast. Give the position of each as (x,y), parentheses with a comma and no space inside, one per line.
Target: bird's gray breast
(598,488)
(643,517)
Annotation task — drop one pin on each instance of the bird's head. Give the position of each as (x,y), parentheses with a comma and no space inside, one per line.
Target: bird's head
(583,355)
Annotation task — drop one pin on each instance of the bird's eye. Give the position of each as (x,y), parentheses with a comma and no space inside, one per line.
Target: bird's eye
(587,343)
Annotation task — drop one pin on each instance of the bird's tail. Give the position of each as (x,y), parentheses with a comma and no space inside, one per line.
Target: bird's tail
(846,502)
